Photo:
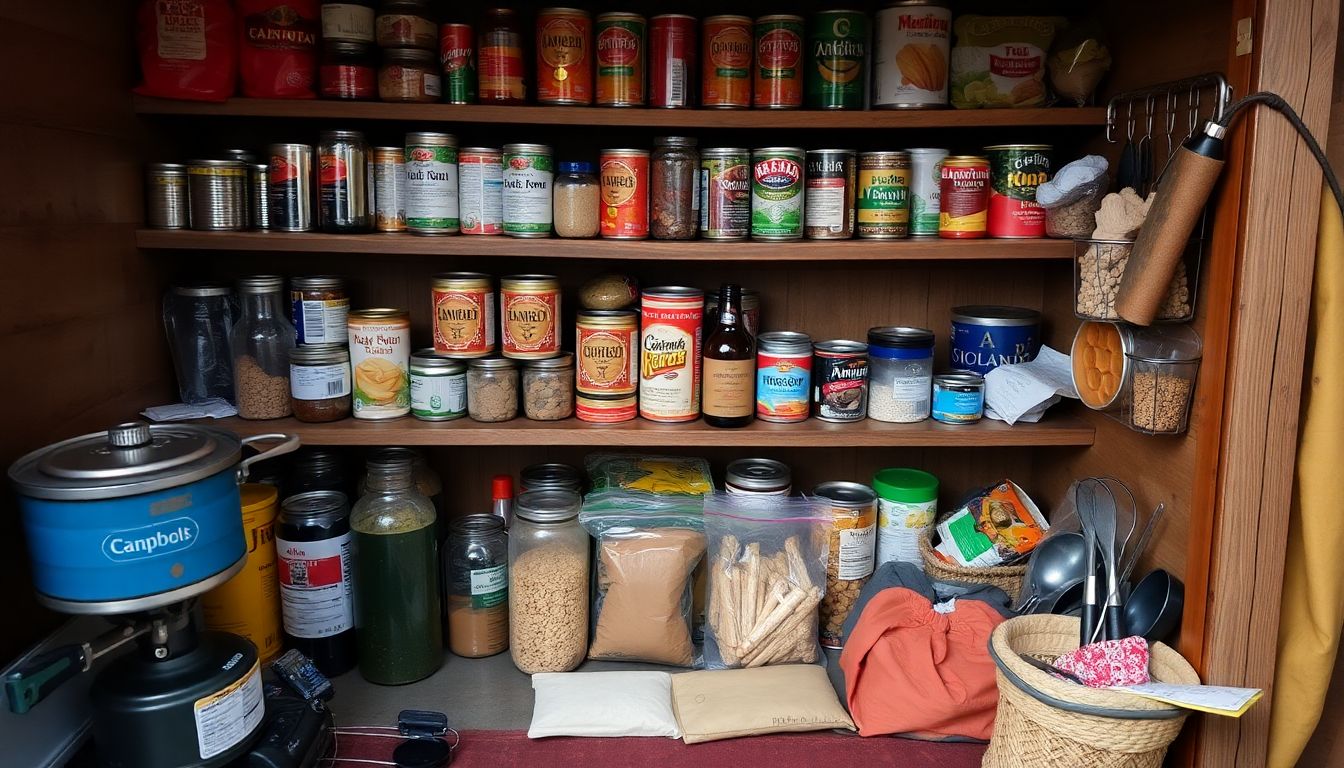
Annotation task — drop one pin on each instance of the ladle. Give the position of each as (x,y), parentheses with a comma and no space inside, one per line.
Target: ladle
(1058,560)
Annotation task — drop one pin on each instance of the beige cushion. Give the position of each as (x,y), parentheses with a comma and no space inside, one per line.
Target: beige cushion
(727,703)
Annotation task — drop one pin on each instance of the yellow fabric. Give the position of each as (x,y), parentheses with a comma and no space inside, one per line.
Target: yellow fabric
(1313,579)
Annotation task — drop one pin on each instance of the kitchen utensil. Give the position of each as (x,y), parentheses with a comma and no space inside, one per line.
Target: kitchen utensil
(1051,668)
(1133,558)
(1056,562)
(1128,172)
(1085,502)
(1104,514)
(1067,600)
(1155,606)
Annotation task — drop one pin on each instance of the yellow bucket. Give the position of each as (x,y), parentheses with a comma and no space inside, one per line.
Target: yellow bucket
(249,603)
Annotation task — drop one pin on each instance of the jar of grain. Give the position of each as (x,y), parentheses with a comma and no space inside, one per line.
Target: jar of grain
(575,201)
(900,373)
(548,388)
(261,341)
(492,389)
(319,382)
(548,582)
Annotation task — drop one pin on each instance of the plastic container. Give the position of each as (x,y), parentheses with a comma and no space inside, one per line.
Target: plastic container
(1099,266)
(1143,377)
(907,505)
(900,373)
(198,320)
(548,582)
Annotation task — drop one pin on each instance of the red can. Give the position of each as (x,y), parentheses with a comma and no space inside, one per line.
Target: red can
(672,60)
(964,197)
(1015,171)
(624,180)
(564,59)
(457,58)
(621,59)
(779,55)
(726,79)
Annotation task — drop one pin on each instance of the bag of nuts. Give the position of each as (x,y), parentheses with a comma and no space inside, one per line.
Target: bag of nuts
(851,554)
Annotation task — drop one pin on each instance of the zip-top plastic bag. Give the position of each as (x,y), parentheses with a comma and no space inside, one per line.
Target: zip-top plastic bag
(660,475)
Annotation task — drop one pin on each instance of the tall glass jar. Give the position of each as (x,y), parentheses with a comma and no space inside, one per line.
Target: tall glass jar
(674,204)
(548,582)
(575,199)
(476,575)
(397,611)
(260,343)
(198,320)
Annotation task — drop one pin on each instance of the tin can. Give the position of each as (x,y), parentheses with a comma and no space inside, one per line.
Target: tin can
(464,314)
(624,176)
(757,477)
(884,195)
(779,58)
(611,409)
(837,60)
(1015,171)
(783,376)
(751,309)
(380,354)
(958,397)
(963,205)
(725,81)
(289,187)
(258,209)
(828,207)
(605,341)
(431,184)
(457,59)
(389,189)
(345,200)
(501,69)
(319,308)
(480,190)
(672,60)
(853,553)
(985,337)
(529,307)
(438,387)
(217,190)
(777,193)
(564,66)
(528,171)
(671,324)
(912,43)
(725,194)
(166,196)
(840,380)
(249,603)
(621,59)
(926,180)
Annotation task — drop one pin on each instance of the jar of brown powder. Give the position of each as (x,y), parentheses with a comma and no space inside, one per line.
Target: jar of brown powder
(492,389)
(476,572)
(548,388)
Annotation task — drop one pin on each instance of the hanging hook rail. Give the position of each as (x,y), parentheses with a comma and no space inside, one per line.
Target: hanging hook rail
(1166,99)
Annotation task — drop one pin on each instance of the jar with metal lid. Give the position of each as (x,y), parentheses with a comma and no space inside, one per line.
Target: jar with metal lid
(198,320)
(548,388)
(476,579)
(907,505)
(539,477)
(261,341)
(408,75)
(166,196)
(492,389)
(348,71)
(852,552)
(315,469)
(576,200)
(312,542)
(548,582)
(217,191)
(406,24)
(758,477)
(674,172)
(320,309)
(958,397)
(344,183)
(319,382)
(900,373)
(438,386)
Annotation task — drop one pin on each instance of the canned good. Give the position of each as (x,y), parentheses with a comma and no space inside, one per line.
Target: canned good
(963,205)
(726,77)
(380,352)
(907,505)
(900,373)
(345,204)
(501,70)
(777,193)
(550,476)
(751,309)
(457,59)
(910,68)
(389,189)
(757,477)
(985,337)
(431,183)
(671,328)
(779,54)
(725,194)
(526,184)
(564,70)
(1015,171)
(926,180)
(958,397)
(258,211)
(529,307)
(166,196)
(320,382)
(217,190)
(480,190)
(605,341)
(348,22)
(672,60)
(840,376)
(320,309)
(852,558)
(783,376)
(828,206)
(248,604)
(620,60)
(883,199)
(289,187)
(611,409)
(624,176)
(464,314)
(837,60)
(438,387)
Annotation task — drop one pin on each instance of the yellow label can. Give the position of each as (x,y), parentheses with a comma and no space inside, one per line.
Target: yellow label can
(249,603)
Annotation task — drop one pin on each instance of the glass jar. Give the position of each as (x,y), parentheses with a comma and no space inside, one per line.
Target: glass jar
(427,479)
(320,309)
(408,75)
(548,582)
(260,342)
(900,373)
(312,534)
(492,389)
(476,575)
(198,320)
(315,469)
(400,629)
(406,24)
(674,172)
(575,201)
(319,382)
(548,388)
(344,202)
(537,477)
(348,71)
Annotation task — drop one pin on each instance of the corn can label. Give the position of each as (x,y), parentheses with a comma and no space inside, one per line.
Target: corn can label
(669,358)
(726,80)
(528,325)
(1015,173)
(910,68)
(837,59)
(620,60)
(457,58)
(964,201)
(883,199)
(606,360)
(777,195)
(380,354)
(783,387)
(564,69)
(779,52)
(624,179)
(464,321)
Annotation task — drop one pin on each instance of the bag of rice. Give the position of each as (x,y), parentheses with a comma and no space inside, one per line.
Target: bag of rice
(999,61)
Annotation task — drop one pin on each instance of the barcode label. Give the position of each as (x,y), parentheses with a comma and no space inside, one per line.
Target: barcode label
(676,83)
(335,388)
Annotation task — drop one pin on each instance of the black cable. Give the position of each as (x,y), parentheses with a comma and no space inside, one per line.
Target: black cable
(1277,103)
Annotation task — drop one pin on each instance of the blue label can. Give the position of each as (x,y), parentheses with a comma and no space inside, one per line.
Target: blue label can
(985,337)
(783,376)
(958,398)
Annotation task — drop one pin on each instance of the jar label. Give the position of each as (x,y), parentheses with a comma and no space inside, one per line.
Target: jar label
(480,194)
(431,188)
(855,560)
(319,382)
(669,367)
(223,718)
(439,397)
(347,21)
(899,527)
(320,321)
(489,586)
(316,596)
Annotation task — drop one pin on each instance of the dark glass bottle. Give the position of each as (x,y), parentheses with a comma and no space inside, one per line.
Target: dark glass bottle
(312,541)
(729,392)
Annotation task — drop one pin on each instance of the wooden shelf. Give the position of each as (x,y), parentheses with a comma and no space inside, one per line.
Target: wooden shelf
(625,250)
(1059,430)
(876,119)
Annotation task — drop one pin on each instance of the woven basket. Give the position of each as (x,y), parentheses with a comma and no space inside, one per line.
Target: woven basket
(1044,721)
(1005,577)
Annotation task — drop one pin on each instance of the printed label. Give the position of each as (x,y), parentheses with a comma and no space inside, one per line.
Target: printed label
(838,51)
(777,197)
(181,29)
(481,180)
(161,538)
(439,397)
(316,591)
(320,321)
(431,188)
(883,200)
(489,586)
(856,552)
(389,195)
(826,207)
(669,368)
(347,21)
(526,183)
(464,321)
(899,528)
(783,387)
(911,65)
(319,382)
(529,321)
(224,719)
(729,386)
(379,355)
(605,363)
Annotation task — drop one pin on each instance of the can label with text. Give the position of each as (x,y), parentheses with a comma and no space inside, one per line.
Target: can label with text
(725,194)
(529,307)
(620,60)
(457,59)
(624,180)
(605,409)
(606,343)
(837,57)
(777,193)
(964,202)
(431,184)
(828,208)
(672,321)
(389,189)
(480,189)
(380,356)
(726,77)
(249,603)
(840,381)
(526,181)
(912,44)
(564,66)
(1016,170)
(783,386)
(926,180)
(672,60)
(883,199)
(779,56)
(464,314)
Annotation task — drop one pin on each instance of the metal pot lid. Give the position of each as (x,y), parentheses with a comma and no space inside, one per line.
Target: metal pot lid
(128,459)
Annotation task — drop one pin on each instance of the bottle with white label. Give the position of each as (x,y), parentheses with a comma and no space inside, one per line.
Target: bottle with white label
(476,573)
(312,544)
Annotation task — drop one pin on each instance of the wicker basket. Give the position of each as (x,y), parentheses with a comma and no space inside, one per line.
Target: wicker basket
(1005,577)
(1045,721)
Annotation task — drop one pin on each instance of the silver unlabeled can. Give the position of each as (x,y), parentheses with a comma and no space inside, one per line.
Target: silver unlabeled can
(258,208)
(290,187)
(926,168)
(431,184)
(166,196)
(218,194)
(389,189)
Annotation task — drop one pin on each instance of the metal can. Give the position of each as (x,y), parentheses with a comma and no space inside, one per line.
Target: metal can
(605,344)
(463,304)
(480,190)
(757,477)
(828,209)
(551,476)
(783,376)
(166,196)
(389,189)
(963,205)
(528,171)
(777,193)
(840,380)
(289,187)
(320,309)
(380,354)
(438,387)
(910,67)
(1015,171)
(529,307)
(501,67)
(457,59)
(884,195)
(611,409)
(672,60)
(671,324)
(725,193)
(624,176)
(248,604)
(837,60)
(926,168)
(725,81)
(779,56)
(751,309)
(343,179)
(986,336)
(431,183)
(564,68)
(853,553)
(316,591)
(217,191)
(621,59)
(258,210)
(958,397)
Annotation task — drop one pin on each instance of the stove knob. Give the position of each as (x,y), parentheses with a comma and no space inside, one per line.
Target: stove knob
(131,434)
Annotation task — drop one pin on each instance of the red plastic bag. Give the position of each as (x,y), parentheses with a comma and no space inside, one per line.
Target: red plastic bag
(187,49)
(278,48)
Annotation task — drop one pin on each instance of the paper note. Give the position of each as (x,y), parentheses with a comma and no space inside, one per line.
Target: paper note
(213,409)
(1214,699)
(1023,392)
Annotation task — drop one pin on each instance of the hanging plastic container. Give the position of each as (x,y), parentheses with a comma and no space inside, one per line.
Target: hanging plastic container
(1143,377)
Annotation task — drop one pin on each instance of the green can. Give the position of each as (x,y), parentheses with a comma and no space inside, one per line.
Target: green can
(837,60)
(777,193)
(883,200)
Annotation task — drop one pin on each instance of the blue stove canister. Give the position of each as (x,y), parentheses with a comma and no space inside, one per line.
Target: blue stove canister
(985,337)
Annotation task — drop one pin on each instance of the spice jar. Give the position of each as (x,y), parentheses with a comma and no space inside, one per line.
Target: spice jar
(575,202)
(406,24)
(408,75)
(319,382)
(900,373)
(261,340)
(548,583)
(348,71)
(492,389)
(476,578)
(674,174)
(548,388)
(438,387)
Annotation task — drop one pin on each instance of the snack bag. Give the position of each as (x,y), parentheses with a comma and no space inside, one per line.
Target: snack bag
(997,526)
(651,474)
(187,50)
(999,61)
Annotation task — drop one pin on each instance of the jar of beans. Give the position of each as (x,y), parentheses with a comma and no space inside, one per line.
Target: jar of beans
(492,389)
(900,373)
(319,382)
(261,340)
(675,204)
(548,388)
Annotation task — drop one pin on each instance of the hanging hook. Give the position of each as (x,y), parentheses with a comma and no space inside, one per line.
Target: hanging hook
(1129,121)
(1192,113)
(1150,106)
(1110,121)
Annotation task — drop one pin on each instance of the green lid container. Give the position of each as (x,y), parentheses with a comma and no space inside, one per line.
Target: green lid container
(911,486)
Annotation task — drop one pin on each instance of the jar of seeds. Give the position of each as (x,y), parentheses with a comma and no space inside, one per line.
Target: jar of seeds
(492,389)
(548,388)
(261,341)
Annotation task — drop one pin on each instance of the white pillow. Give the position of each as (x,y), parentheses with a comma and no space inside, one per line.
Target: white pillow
(603,704)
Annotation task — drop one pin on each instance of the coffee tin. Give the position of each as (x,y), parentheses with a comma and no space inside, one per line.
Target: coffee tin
(624,180)
(985,337)
(783,376)
(777,193)
(840,380)
(837,60)
(926,168)
(672,61)
(671,324)
(1015,171)
(912,44)
(725,193)
(480,190)
(883,198)
(606,341)
(963,205)
(564,63)
(389,189)
(828,207)
(621,59)
(463,305)
(779,58)
(725,81)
